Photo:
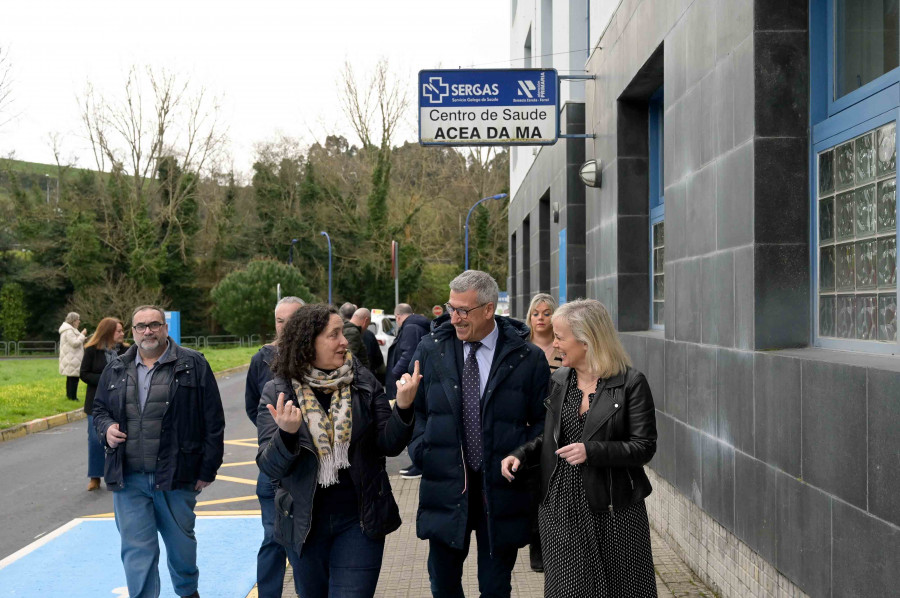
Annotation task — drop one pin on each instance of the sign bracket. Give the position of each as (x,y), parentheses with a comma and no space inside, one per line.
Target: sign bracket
(560,79)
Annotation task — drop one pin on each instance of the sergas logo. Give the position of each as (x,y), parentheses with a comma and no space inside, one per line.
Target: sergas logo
(436,90)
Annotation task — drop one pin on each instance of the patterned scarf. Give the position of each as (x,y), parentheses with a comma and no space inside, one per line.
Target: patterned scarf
(330,431)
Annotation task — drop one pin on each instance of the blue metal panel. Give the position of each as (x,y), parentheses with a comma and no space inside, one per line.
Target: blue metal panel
(562,266)
(173,321)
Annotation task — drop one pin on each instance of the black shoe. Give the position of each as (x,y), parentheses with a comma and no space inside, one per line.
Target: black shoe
(412,473)
(407,468)
(194,595)
(536,558)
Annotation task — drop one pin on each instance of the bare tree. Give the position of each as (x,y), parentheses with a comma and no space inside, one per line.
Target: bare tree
(6,97)
(159,121)
(116,297)
(376,107)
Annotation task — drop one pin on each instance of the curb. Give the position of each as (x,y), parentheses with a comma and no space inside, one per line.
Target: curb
(60,419)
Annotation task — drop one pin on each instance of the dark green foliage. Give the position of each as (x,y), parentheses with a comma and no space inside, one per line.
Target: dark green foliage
(13,313)
(244,301)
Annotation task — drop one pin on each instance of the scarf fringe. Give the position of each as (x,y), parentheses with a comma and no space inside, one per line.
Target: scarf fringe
(329,464)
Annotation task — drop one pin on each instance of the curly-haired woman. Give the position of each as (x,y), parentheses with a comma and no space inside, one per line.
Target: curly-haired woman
(105,344)
(325,427)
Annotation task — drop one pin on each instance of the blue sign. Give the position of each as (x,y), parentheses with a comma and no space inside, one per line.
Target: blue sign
(488,107)
(173,321)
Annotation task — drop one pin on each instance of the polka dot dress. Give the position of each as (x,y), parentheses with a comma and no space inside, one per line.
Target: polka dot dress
(589,554)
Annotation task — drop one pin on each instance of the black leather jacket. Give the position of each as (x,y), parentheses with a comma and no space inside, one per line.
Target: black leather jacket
(619,438)
(378,431)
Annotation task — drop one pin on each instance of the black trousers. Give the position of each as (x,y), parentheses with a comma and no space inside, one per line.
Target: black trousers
(72,387)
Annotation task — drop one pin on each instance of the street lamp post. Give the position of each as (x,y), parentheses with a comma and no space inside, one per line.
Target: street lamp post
(498,196)
(323,233)
(47,180)
(291,252)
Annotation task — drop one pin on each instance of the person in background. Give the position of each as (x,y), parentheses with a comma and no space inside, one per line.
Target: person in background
(411,327)
(159,412)
(71,350)
(271,556)
(325,427)
(353,333)
(540,323)
(482,395)
(541,327)
(600,431)
(107,343)
(363,317)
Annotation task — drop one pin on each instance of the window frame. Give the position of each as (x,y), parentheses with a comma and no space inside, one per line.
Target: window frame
(834,122)
(656,195)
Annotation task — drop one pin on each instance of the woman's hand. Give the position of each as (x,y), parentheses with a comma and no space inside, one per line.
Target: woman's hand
(508,466)
(286,415)
(574,454)
(407,386)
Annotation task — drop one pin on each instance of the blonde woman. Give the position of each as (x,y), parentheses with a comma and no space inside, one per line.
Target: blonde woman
(599,432)
(541,326)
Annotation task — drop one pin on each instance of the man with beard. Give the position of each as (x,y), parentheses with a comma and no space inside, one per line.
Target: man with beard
(159,414)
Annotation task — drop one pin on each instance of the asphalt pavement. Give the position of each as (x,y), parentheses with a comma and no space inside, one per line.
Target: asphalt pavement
(44,476)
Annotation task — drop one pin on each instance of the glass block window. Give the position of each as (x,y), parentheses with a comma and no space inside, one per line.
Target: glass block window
(857,238)
(659,278)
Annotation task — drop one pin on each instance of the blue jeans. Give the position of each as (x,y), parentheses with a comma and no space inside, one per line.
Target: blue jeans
(338,560)
(445,564)
(141,512)
(96,456)
(271,556)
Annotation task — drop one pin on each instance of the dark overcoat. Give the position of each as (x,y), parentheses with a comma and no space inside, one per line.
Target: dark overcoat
(512,413)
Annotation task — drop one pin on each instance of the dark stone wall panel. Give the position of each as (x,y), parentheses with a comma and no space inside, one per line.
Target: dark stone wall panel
(755,514)
(804,535)
(676,380)
(781,67)
(735,399)
(701,388)
(777,414)
(718,481)
(884,444)
(865,560)
(689,462)
(834,429)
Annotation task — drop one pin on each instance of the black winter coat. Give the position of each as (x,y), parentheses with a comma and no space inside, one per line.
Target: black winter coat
(192,444)
(92,365)
(512,413)
(619,438)
(377,431)
(401,351)
(258,374)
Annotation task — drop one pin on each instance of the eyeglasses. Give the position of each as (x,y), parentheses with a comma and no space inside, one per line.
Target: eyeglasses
(153,326)
(462,312)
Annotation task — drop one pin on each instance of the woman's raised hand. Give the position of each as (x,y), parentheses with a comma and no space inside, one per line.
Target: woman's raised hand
(508,467)
(407,386)
(286,415)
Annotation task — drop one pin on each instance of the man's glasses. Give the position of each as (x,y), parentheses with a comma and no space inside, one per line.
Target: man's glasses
(153,326)
(462,312)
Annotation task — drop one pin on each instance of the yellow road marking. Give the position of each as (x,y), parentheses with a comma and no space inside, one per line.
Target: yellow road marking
(254,593)
(228,478)
(250,442)
(226,513)
(222,501)
(237,464)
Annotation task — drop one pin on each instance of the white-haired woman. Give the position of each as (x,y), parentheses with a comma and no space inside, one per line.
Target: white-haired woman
(599,432)
(71,351)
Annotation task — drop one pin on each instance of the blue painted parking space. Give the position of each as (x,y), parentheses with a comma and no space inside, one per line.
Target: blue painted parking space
(81,560)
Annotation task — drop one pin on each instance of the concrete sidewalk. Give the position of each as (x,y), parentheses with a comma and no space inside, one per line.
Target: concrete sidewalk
(403,573)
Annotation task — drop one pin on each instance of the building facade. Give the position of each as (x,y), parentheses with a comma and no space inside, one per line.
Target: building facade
(744,239)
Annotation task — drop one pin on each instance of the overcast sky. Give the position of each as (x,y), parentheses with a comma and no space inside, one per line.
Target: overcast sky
(274,63)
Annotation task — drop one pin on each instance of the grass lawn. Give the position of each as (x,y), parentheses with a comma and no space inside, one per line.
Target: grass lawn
(33,388)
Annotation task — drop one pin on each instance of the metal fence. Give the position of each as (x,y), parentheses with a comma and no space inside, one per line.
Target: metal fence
(217,341)
(32,347)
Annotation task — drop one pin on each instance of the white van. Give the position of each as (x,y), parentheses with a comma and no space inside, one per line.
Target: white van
(383,326)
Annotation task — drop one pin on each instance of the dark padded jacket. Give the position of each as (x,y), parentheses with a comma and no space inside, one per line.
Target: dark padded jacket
(258,374)
(92,365)
(378,431)
(353,334)
(619,438)
(512,414)
(193,426)
(401,351)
